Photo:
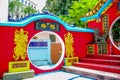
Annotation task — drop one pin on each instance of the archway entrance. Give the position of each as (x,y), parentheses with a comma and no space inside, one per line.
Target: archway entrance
(115,33)
(46,50)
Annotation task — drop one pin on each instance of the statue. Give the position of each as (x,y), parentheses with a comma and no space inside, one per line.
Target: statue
(20,40)
(99,39)
(69,45)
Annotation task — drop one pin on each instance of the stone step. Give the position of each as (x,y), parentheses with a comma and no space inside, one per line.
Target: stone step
(101,67)
(101,61)
(98,75)
(109,57)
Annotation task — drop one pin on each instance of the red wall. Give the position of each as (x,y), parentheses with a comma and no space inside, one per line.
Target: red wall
(113,15)
(93,24)
(7,44)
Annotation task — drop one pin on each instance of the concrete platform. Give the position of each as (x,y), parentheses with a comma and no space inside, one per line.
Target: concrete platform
(59,75)
(98,75)
(18,75)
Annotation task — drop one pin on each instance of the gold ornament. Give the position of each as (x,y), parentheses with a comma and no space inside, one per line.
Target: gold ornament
(21,41)
(43,26)
(69,45)
(52,26)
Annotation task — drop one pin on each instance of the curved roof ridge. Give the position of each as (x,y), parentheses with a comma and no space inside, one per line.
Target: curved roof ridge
(98,14)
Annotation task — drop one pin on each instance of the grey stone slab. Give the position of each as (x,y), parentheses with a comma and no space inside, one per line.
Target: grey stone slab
(18,75)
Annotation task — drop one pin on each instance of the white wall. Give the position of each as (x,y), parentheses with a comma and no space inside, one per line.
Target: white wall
(3,10)
(45,36)
(40,4)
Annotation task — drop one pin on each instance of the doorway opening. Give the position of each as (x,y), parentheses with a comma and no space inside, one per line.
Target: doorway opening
(46,50)
(115,33)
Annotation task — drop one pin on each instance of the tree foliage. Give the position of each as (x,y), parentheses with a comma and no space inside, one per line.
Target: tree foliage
(58,7)
(70,10)
(79,9)
(17,9)
(116,31)
(29,10)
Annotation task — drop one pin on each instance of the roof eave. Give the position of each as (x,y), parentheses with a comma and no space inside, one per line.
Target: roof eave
(98,14)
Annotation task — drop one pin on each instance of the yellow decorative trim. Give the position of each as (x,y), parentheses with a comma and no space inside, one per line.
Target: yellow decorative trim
(19,66)
(69,61)
(90,49)
(104,23)
(91,20)
(103,48)
(69,44)
(96,8)
(21,41)
(107,8)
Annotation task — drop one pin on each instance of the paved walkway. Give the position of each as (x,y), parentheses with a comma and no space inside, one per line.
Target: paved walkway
(59,75)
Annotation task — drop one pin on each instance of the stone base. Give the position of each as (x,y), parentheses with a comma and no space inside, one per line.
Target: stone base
(18,75)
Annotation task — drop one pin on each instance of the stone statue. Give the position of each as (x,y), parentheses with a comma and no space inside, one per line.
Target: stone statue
(99,39)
